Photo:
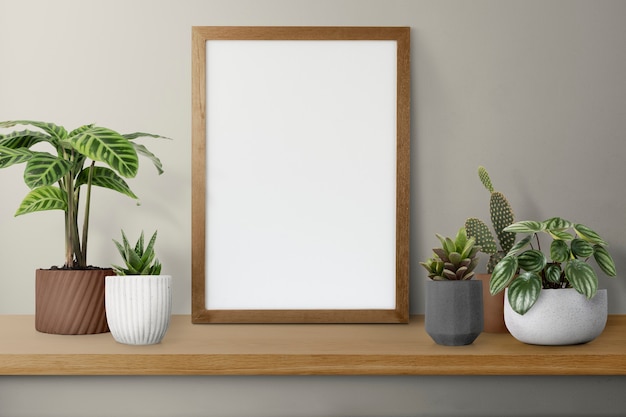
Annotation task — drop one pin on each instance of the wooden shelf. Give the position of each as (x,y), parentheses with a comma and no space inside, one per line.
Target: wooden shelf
(301,349)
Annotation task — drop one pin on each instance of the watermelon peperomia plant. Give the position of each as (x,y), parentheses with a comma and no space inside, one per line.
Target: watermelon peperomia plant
(56,179)
(571,246)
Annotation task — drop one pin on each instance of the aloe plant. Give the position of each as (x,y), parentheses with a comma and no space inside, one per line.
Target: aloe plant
(527,272)
(139,259)
(454,260)
(501,215)
(58,180)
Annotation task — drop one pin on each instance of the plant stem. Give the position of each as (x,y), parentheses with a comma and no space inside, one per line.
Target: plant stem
(86,218)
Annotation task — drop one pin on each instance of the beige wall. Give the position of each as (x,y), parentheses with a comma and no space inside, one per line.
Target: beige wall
(534,90)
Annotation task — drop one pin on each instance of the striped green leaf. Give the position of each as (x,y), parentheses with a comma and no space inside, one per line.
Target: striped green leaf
(524,291)
(106,178)
(604,260)
(502,274)
(553,274)
(557,224)
(559,251)
(532,260)
(45,169)
(582,277)
(55,131)
(22,139)
(9,156)
(581,248)
(525,226)
(142,150)
(589,235)
(105,145)
(43,198)
(520,245)
(560,235)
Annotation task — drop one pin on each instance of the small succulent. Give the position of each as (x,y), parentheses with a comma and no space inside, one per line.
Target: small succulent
(139,260)
(455,260)
(526,272)
(501,216)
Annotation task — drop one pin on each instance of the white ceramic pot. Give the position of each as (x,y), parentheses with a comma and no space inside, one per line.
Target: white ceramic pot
(559,317)
(138,308)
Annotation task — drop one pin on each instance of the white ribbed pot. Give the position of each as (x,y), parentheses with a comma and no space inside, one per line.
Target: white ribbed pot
(559,317)
(138,307)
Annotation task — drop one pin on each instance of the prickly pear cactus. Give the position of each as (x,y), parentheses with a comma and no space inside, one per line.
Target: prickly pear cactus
(501,215)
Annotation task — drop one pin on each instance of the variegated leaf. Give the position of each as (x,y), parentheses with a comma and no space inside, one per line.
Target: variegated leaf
(9,156)
(525,226)
(105,145)
(45,169)
(107,178)
(43,198)
(22,139)
(142,150)
(55,131)
(524,291)
(502,274)
(582,277)
(604,260)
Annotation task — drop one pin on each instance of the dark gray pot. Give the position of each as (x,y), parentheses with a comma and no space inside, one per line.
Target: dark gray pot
(454,311)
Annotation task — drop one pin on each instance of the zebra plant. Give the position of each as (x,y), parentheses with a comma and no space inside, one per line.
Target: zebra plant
(527,272)
(58,180)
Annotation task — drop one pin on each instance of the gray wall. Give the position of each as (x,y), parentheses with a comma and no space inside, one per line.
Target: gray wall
(533,90)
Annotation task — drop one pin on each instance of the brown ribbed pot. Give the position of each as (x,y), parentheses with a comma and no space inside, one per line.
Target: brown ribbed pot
(493,307)
(70,301)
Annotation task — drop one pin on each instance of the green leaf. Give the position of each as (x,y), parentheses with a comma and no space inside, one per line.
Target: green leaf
(105,145)
(45,169)
(502,274)
(520,245)
(604,260)
(55,131)
(22,139)
(532,260)
(524,291)
(560,235)
(106,178)
(581,248)
(589,235)
(553,274)
(559,251)
(142,150)
(9,156)
(582,277)
(557,224)
(525,226)
(43,198)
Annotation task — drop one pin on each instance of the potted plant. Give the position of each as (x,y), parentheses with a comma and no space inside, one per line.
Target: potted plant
(454,308)
(554,299)
(138,298)
(70,299)
(501,215)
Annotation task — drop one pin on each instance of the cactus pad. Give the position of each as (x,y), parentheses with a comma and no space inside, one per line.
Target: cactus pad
(477,229)
(484,178)
(501,217)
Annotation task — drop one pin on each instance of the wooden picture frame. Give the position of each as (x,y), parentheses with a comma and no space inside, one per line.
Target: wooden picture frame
(300,182)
